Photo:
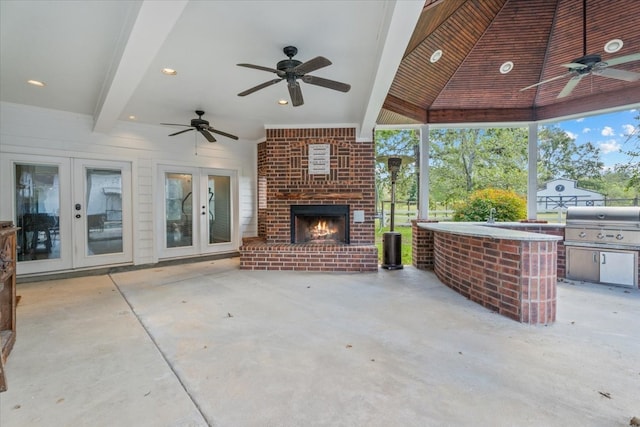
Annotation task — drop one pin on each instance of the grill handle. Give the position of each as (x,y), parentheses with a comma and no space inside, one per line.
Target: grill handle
(595,257)
(604,258)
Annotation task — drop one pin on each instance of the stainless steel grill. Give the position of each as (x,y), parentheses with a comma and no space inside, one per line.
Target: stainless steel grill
(602,244)
(604,225)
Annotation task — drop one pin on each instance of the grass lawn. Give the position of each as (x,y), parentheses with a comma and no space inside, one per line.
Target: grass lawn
(405,231)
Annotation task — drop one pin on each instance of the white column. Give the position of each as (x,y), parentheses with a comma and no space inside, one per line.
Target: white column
(423,204)
(532,186)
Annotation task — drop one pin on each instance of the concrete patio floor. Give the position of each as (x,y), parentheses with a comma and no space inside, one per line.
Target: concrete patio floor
(206,344)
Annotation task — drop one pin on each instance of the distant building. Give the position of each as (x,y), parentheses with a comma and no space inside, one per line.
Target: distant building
(561,193)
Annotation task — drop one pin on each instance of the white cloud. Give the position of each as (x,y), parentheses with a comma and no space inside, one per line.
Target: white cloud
(610,146)
(571,134)
(628,129)
(586,130)
(607,131)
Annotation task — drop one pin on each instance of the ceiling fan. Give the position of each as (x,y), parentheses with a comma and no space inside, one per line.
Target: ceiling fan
(591,64)
(202,126)
(291,70)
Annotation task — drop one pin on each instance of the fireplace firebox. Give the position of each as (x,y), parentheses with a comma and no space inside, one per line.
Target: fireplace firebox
(322,224)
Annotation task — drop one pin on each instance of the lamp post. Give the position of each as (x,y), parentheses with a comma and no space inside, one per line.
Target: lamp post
(392,241)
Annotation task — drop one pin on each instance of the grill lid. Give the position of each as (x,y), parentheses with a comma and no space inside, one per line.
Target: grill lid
(603,213)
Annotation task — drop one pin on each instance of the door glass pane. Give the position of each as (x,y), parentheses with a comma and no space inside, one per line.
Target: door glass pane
(104,211)
(37,211)
(178,201)
(219,209)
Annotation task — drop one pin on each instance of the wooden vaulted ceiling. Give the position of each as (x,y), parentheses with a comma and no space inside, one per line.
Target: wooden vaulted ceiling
(478,36)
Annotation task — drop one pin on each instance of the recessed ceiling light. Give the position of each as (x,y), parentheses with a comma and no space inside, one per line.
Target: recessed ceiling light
(506,67)
(132,117)
(612,46)
(283,102)
(36,83)
(435,56)
(169,71)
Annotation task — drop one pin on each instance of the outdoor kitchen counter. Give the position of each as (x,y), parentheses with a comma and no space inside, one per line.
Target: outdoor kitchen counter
(512,272)
(495,230)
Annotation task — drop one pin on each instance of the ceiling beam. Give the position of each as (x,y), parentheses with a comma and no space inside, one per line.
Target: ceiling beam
(154,22)
(405,108)
(403,20)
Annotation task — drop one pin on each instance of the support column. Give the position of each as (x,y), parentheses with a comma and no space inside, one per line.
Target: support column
(532,183)
(423,197)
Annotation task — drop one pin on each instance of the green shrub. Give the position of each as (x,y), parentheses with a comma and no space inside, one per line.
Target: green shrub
(509,206)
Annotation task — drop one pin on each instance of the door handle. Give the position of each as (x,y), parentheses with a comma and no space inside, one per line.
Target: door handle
(595,257)
(604,259)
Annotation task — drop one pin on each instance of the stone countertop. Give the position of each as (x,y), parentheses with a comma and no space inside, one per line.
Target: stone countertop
(479,229)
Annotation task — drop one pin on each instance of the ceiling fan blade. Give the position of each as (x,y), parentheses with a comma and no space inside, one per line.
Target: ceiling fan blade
(174,124)
(219,132)
(545,81)
(571,84)
(182,131)
(311,65)
(296,93)
(623,59)
(260,86)
(614,73)
(331,84)
(207,135)
(259,67)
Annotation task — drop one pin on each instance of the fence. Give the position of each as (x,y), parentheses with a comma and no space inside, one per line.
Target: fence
(407,210)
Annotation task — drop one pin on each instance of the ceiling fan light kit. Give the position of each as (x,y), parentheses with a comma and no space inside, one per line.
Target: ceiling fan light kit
(292,71)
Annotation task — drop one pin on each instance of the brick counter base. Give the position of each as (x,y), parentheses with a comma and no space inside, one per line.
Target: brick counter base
(258,255)
(515,278)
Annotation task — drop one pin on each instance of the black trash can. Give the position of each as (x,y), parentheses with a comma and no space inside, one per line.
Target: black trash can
(392,250)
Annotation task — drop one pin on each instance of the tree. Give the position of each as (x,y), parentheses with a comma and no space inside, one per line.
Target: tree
(632,167)
(464,160)
(560,157)
(401,143)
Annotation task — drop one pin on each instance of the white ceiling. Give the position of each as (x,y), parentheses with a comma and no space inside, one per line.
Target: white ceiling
(103,58)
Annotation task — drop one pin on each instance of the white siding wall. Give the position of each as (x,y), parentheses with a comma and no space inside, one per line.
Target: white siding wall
(38,131)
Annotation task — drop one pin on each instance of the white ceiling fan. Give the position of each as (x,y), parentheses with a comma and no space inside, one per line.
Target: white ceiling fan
(591,65)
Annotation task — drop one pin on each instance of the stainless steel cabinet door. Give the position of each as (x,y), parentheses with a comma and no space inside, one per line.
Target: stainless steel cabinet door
(583,264)
(618,268)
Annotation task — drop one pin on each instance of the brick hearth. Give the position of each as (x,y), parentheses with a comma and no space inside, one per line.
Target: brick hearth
(284,180)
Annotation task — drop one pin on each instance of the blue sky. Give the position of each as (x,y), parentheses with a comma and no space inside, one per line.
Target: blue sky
(609,132)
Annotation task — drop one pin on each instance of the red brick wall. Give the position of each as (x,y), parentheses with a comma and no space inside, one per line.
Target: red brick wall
(283,160)
(516,279)
(421,245)
(283,172)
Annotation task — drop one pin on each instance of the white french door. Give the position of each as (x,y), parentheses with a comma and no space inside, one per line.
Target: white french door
(72,213)
(101,213)
(199,211)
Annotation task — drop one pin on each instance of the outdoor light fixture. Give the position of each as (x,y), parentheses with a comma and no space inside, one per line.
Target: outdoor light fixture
(435,56)
(506,67)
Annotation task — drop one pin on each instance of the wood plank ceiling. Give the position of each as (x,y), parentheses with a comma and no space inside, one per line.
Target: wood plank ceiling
(477,37)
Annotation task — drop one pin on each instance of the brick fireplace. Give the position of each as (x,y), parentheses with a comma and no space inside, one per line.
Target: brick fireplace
(327,179)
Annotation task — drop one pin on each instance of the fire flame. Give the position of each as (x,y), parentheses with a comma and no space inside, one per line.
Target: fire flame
(322,230)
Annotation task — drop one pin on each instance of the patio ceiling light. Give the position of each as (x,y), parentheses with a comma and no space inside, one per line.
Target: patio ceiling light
(612,46)
(36,83)
(169,71)
(435,56)
(506,67)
